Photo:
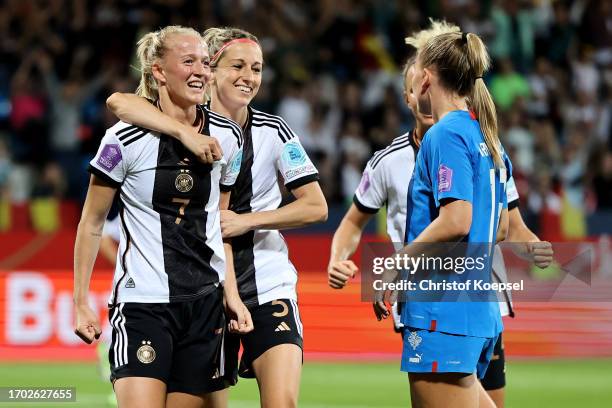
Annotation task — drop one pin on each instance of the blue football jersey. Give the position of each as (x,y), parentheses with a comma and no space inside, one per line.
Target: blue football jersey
(454,163)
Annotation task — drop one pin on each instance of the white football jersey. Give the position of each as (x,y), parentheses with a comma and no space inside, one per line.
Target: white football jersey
(385,181)
(170,246)
(261,260)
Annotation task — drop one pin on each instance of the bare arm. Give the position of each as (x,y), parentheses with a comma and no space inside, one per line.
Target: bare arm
(528,245)
(452,224)
(309,207)
(138,111)
(344,244)
(502,228)
(108,248)
(97,204)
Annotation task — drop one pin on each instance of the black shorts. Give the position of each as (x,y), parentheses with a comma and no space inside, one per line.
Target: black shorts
(495,376)
(179,343)
(276,322)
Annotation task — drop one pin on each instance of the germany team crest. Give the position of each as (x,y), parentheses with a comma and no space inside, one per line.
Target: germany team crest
(145,353)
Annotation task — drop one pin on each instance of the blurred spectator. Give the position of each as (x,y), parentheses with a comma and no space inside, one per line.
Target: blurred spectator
(514,33)
(331,72)
(602,183)
(507,85)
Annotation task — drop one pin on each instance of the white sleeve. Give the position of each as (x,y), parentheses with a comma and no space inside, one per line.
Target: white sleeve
(294,164)
(230,170)
(371,194)
(511,191)
(112,229)
(109,162)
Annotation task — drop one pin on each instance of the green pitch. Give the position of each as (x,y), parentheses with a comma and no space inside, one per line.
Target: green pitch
(538,384)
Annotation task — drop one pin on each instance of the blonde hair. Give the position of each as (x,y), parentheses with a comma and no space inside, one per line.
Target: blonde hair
(150,49)
(460,61)
(420,38)
(217,37)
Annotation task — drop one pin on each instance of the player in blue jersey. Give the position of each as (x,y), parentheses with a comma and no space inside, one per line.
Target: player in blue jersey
(457,193)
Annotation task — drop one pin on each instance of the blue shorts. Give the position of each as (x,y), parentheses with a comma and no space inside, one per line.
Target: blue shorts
(427,351)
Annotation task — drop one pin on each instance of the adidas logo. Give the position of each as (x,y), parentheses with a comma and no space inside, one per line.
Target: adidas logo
(130,283)
(283,327)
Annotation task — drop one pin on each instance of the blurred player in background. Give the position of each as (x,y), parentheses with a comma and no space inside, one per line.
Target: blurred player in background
(266,277)
(166,305)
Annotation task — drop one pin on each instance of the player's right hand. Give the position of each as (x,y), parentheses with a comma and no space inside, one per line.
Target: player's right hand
(338,273)
(87,325)
(206,148)
(542,253)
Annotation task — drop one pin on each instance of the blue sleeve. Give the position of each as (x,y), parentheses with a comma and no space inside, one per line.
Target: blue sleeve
(451,169)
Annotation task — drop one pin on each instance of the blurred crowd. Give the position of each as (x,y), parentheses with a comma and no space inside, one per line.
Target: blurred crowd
(332,71)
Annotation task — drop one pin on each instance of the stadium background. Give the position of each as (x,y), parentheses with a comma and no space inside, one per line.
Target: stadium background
(332,71)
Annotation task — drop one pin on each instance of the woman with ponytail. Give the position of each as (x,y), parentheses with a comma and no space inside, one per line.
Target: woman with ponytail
(457,194)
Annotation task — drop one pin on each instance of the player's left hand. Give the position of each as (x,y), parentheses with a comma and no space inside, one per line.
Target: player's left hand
(232,224)
(541,252)
(240,320)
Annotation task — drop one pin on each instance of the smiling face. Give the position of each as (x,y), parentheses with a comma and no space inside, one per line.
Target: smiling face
(237,75)
(184,69)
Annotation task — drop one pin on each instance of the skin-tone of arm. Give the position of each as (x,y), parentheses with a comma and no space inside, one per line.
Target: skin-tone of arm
(240,317)
(452,224)
(97,204)
(138,111)
(502,229)
(344,244)
(108,249)
(309,207)
(528,245)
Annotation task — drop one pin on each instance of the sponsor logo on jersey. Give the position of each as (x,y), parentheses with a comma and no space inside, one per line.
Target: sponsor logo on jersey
(445,179)
(294,154)
(414,340)
(145,353)
(109,157)
(183,182)
(283,327)
(416,359)
(130,283)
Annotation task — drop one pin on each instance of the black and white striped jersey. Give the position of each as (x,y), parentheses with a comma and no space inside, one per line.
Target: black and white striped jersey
(385,181)
(170,248)
(263,270)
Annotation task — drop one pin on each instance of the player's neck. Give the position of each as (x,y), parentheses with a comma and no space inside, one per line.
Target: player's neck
(184,114)
(238,115)
(443,102)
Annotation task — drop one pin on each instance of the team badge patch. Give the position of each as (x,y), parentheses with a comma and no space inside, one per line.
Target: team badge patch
(414,340)
(145,353)
(364,185)
(183,182)
(109,157)
(445,179)
(294,154)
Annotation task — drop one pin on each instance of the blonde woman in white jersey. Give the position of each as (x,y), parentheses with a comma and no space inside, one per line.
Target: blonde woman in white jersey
(167,303)
(266,278)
